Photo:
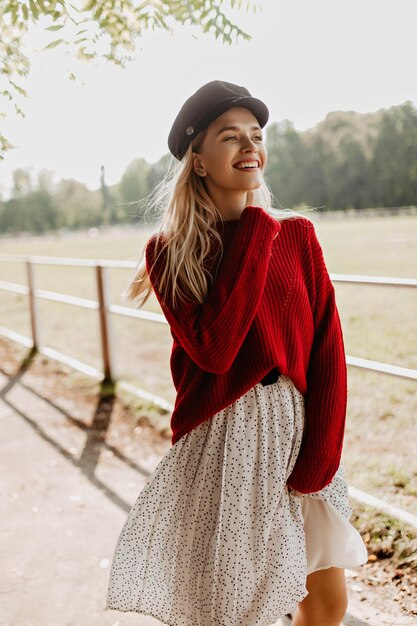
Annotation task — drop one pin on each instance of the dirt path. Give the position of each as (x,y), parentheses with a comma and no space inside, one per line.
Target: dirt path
(65,493)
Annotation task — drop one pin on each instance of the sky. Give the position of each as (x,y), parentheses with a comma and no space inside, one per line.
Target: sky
(304,60)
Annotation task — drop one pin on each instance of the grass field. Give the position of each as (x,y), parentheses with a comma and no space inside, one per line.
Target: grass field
(378,323)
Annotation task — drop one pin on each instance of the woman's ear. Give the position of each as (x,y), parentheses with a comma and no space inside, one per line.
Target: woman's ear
(198,167)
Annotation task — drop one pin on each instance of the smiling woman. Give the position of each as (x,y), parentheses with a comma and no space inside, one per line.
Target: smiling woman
(247,516)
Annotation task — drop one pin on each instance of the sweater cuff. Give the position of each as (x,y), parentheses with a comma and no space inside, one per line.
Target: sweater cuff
(255,215)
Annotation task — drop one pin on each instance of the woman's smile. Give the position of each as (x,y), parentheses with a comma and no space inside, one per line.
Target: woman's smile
(247,165)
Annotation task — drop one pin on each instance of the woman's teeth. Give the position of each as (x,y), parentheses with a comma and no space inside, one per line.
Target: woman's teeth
(248,164)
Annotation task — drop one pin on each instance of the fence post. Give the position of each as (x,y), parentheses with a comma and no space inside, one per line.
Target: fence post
(33,305)
(105,326)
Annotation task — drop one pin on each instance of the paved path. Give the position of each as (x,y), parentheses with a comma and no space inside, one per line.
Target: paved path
(64,498)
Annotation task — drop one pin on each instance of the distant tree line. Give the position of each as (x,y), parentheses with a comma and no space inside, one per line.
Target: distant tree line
(349,160)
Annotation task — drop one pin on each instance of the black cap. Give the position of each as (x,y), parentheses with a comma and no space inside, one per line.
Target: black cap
(207,104)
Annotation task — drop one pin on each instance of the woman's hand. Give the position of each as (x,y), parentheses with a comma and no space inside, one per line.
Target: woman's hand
(296,493)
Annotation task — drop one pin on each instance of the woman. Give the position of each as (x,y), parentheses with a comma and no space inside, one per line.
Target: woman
(246,518)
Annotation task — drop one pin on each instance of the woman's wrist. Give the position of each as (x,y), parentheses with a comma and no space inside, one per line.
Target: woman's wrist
(294,492)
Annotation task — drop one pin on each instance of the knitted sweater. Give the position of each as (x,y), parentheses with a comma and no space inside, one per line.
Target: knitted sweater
(271,304)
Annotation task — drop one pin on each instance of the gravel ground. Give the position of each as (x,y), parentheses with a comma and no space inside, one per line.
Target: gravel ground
(73,466)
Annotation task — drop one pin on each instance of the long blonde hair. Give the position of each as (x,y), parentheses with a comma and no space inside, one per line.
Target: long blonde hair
(187,218)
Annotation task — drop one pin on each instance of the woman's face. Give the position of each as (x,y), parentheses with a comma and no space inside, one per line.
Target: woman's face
(232,156)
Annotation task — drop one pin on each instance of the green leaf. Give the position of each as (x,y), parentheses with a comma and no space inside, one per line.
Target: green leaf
(53,44)
(55,27)
(25,11)
(14,15)
(18,111)
(19,89)
(34,9)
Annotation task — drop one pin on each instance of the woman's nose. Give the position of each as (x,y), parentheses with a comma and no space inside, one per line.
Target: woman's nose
(249,145)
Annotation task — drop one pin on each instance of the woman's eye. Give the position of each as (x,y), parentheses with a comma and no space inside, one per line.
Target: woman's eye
(258,137)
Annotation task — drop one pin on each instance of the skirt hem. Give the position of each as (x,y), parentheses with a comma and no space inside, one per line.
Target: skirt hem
(265,622)
(322,567)
(357,557)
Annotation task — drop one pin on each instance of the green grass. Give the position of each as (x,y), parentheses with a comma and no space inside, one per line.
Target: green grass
(378,323)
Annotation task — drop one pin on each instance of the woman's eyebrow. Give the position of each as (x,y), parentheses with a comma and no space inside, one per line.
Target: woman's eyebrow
(236,128)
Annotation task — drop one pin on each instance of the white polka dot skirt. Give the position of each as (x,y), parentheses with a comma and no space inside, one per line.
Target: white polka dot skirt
(215,538)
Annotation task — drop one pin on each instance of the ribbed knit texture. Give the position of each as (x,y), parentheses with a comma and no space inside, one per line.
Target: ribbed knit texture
(272,304)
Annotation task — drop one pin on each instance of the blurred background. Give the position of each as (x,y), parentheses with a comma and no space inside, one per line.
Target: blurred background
(88,95)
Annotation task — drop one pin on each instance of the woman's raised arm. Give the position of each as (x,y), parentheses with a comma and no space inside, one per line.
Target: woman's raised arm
(213,332)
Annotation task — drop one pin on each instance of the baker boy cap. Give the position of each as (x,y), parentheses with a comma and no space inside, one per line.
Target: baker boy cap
(207,104)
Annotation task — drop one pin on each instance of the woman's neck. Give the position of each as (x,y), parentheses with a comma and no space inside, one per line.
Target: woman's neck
(231,204)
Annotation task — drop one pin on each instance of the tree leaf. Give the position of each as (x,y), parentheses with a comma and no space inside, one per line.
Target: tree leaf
(18,111)
(55,27)
(6,93)
(19,89)
(34,9)
(53,44)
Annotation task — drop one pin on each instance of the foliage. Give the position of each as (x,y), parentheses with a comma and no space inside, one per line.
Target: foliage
(132,187)
(106,29)
(77,206)
(347,161)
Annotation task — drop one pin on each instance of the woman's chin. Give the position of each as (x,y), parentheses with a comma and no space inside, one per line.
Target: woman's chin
(254,186)
(251,185)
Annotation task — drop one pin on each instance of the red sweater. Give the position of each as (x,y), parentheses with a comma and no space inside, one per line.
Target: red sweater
(272,304)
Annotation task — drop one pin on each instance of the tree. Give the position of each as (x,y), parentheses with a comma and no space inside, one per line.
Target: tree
(394,163)
(22,182)
(132,187)
(346,176)
(77,206)
(120,22)
(284,166)
(34,213)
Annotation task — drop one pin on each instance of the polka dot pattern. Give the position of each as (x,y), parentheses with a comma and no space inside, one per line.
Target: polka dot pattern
(215,537)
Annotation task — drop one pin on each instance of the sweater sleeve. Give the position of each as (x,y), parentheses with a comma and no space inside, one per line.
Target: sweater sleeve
(326,395)
(213,332)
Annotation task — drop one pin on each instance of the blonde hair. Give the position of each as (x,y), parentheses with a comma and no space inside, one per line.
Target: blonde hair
(187,217)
